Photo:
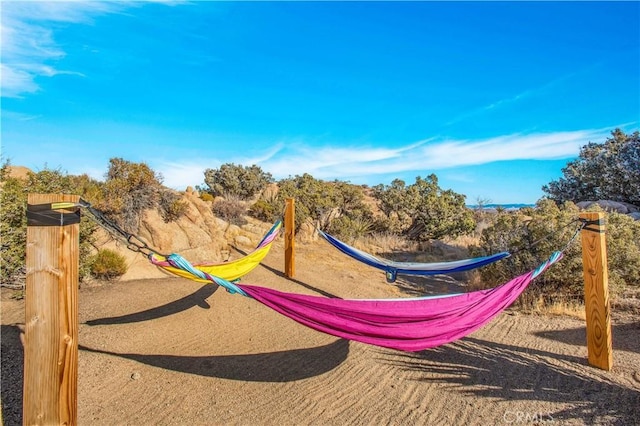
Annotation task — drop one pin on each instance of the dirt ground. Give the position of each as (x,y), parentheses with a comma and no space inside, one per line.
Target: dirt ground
(172,351)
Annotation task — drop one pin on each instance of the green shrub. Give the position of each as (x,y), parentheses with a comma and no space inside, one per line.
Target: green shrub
(13,217)
(424,211)
(606,171)
(263,210)
(321,201)
(205,196)
(232,179)
(350,229)
(532,234)
(108,264)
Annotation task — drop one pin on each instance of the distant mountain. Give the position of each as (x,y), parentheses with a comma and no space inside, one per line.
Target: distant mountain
(513,206)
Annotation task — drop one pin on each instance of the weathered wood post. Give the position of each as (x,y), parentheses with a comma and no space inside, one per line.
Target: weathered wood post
(51,311)
(289,238)
(596,290)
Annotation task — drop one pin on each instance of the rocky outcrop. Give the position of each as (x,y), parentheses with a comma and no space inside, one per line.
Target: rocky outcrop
(613,206)
(198,236)
(610,206)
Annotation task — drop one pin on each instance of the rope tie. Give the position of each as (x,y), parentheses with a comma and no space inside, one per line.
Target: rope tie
(555,256)
(180,262)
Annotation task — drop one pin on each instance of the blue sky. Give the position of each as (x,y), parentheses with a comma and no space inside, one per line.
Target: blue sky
(493,97)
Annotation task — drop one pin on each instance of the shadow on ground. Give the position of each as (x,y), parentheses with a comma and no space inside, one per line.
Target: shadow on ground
(506,372)
(282,366)
(624,336)
(12,361)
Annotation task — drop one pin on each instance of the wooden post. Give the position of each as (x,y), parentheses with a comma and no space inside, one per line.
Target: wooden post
(596,291)
(289,238)
(51,320)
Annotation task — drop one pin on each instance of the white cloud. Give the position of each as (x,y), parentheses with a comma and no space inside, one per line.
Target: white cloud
(332,162)
(28,45)
(181,175)
(526,94)
(17,116)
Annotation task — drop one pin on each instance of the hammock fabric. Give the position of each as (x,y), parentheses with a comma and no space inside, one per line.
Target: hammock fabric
(229,271)
(411,324)
(392,269)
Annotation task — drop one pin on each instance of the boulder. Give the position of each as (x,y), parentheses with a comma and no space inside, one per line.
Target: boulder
(610,206)
(606,205)
(199,236)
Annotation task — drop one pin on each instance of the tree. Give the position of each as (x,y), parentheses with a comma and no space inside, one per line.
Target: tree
(315,199)
(337,207)
(424,211)
(607,171)
(396,204)
(130,188)
(237,180)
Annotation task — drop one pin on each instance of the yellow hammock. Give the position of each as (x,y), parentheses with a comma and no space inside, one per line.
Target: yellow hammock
(229,271)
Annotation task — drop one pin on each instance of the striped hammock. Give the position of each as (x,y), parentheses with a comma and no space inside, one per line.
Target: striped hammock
(392,269)
(229,271)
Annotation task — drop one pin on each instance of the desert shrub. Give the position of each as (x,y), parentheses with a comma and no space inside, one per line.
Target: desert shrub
(205,196)
(13,217)
(350,229)
(623,252)
(532,234)
(13,226)
(320,201)
(107,264)
(171,206)
(386,242)
(130,188)
(230,208)
(237,180)
(424,211)
(263,210)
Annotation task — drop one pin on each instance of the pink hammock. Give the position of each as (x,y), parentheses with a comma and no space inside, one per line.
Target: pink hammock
(405,324)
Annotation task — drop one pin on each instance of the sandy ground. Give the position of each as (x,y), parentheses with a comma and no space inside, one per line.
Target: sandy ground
(175,352)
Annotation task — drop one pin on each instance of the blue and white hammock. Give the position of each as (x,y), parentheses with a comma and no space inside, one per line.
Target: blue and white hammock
(392,269)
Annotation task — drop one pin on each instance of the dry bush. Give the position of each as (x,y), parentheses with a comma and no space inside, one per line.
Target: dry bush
(384,242)
(230,208)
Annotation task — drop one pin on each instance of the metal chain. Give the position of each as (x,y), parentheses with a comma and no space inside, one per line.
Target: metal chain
(133,242)
(550,234)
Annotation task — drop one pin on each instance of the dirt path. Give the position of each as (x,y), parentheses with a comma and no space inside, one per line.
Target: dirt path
(174,352)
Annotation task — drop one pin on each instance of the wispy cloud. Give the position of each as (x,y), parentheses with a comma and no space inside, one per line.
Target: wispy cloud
(28,45)
(17,116)
(332,162)
(504,102)
(422,157)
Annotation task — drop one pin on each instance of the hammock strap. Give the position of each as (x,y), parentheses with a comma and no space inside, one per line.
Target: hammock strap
(53,214)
